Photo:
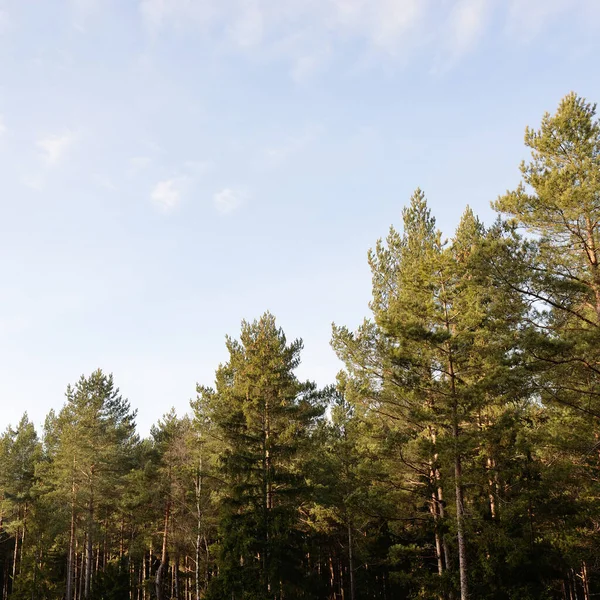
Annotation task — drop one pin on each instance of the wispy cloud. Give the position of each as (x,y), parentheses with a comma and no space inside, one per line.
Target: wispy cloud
(528,19)
(301,25)
(229,200)
(312,34)
(55,148)
(167,194)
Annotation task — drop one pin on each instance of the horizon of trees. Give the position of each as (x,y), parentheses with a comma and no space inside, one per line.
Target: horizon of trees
(456,457)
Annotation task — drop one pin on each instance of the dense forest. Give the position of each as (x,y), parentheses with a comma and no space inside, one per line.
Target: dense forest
(456,456)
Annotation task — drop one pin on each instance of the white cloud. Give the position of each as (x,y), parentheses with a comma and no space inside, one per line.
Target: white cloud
(166,195)
(309,35)
(309,24)
(228,200)
(55,148)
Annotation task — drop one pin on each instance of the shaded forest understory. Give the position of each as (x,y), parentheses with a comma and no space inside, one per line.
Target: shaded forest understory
(457,456)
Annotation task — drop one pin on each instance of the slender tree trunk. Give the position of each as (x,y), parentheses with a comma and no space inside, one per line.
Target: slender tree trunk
(198,524)
(351,563)
(585,581)
(15,558)
(89,550)
(207,566)
(176,577)
(69,591)
(442,511)
(434,506)
(460,530)
(267,493)
(81,569)
(331,577)
(197,570)
(160,588)
(23,530)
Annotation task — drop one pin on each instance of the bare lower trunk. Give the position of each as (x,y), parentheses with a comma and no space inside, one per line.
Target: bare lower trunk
(585,581)
(351,563)
(442,511)
(176,577)
(69,591)
(160,592)
(89,551)
(460,531)
(198,565)
(433,509)
(15,558)
(198,524)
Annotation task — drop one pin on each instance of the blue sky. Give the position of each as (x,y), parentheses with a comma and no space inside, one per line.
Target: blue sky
(170,167)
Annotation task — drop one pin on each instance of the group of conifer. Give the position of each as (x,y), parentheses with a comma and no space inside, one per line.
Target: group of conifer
(456,457)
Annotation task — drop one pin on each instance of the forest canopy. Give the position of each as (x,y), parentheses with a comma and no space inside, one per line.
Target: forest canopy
(456,456)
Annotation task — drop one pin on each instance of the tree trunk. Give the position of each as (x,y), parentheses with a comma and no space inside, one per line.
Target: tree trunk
(176,577)
(460,532)
(89,550)
(69,591)
(81,570)
(160,591)
(198,524)
(15,559)
(197,573)
(585,581)
(351,563)
(267,492)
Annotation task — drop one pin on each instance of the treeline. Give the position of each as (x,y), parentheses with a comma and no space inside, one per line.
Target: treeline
(457,456)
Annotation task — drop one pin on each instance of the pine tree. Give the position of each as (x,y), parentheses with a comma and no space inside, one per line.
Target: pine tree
(436,359)
(91,448)
(557,206)
(264,415)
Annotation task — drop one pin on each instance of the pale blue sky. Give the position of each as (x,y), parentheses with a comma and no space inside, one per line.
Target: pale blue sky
(170,167)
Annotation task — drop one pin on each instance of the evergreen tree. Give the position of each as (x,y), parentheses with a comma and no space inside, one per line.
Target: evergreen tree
(557,206)
(92,443)
(264,415)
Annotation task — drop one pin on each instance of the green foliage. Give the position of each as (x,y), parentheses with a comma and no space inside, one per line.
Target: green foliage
(458,454)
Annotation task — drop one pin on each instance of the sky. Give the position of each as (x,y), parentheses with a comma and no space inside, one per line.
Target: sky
(171,167)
